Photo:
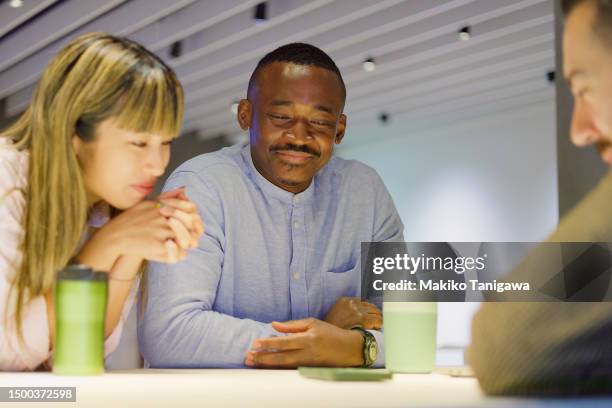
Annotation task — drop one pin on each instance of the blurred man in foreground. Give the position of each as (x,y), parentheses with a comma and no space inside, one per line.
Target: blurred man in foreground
(561,348)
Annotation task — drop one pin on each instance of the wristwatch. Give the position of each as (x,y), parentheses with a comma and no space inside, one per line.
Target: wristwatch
(370,347)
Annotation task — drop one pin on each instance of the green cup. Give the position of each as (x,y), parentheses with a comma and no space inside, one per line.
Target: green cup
(80,312)
(410,336)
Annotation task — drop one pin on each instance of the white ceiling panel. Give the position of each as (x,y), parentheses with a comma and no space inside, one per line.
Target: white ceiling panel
(11,17)
(423,72)
(54,24)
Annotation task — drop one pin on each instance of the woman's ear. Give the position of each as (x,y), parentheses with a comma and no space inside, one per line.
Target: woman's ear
(77,145)
(245,114)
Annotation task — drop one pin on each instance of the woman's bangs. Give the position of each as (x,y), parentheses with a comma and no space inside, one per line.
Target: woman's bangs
(152,104)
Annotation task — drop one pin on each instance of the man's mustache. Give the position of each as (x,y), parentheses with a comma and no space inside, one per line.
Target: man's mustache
(295,148)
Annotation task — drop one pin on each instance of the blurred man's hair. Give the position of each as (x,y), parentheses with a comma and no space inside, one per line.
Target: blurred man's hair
(603,19)
(299,54)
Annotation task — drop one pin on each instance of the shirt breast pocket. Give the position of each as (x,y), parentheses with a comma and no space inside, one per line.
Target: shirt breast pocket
(339,283)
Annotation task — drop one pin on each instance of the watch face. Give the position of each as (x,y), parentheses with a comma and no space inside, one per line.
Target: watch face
(373,352)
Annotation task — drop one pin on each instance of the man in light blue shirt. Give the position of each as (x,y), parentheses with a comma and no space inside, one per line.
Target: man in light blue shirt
(276,279)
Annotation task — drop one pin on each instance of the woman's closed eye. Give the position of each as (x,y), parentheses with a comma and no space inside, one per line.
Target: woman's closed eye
(145,144)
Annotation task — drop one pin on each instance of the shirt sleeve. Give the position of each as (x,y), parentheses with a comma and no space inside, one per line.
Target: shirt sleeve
(179,327)
(549,347)
(15,354)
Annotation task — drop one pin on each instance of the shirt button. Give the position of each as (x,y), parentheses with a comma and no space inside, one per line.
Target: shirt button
(296,275)
(296,199)
(296,225)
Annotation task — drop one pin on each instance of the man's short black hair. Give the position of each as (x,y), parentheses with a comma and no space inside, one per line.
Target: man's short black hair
(299,54)
(603,20)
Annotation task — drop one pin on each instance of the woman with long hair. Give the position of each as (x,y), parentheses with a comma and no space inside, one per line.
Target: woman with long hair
(75,171)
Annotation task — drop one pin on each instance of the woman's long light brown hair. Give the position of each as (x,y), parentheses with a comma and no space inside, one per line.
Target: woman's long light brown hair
(95,77)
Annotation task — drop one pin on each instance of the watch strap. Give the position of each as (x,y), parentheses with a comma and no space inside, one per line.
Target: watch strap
(369,342)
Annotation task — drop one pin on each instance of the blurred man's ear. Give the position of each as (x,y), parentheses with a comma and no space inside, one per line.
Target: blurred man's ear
(245,114)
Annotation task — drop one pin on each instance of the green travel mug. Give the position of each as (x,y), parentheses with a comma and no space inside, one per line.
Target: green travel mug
(80,312)
(410,336)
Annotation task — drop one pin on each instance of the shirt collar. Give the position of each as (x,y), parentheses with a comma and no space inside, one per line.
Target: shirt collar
(270,189)
(99,215)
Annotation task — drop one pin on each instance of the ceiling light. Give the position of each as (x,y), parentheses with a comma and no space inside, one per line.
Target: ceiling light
(369,65)
(465,33)
(176,49)
(16,3)
(384,118)
(261,12)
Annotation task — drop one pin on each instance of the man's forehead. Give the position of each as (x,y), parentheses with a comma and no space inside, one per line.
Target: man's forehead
(576,38)
(585,53)
(281,80)
(295,74)
(294,71)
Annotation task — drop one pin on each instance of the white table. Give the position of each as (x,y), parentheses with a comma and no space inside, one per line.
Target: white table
(270,388)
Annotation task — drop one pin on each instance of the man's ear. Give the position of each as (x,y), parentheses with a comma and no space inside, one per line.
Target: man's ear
(341,129)
(245,114)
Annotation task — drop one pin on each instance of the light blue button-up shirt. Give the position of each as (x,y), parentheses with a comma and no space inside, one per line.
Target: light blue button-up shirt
(266,255)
